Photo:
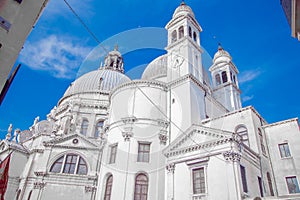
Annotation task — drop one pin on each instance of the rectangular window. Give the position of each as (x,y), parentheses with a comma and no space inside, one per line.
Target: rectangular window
(198,181)
(263,149)
(113,153)
(284,150)
(260,186)
(143,152)
(292,184)
(244,180)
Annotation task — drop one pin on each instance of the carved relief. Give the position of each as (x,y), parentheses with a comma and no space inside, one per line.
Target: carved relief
(90,188)
(233,156)
(39,185)
(127,133)
(170,167)
(40,173)
(163,137)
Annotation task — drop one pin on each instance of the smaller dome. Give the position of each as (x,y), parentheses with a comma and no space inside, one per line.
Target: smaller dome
(183,10)
(156,69)
(221,53)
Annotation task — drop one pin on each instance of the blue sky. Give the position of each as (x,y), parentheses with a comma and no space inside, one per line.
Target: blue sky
(255,33)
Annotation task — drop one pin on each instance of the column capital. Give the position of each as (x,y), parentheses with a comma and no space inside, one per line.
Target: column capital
(232,155)
(127,133)
(170,168)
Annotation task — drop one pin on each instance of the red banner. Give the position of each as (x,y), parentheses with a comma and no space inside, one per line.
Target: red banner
(4,166)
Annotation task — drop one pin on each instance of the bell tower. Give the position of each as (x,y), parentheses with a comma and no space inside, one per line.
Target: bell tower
(184,44)
(225,83)
(185,58)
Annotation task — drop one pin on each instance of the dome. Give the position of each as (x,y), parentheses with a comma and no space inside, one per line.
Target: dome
(221,53)
(183,9)
(99,80)
(156,69)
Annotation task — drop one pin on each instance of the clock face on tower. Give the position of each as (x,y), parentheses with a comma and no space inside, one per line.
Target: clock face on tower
(176,61)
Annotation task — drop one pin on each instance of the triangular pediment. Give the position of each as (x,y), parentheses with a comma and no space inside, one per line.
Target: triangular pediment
(197,137)
(9,145)
(73,141)
(3,146)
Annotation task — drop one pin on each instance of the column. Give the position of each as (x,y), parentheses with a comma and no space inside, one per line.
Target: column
(170,181)
(233,159)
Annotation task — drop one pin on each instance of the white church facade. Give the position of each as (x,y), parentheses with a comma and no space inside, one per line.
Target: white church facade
(171,135)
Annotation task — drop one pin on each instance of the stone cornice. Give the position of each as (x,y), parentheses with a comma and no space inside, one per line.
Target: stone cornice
(196,147)
(227,84)
(216,133)
(188,77)
(154,122)
(173,21)
(72,147)
(36,150)
(222,137)
(234,112)
(55,142)
(9,149)
(86,92)
(140,83)
(180,41)
(282,122)
(222,64)
(14,146)
(96,106)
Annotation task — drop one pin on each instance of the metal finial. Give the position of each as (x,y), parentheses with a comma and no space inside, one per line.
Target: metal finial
(182,2)
(116,47)
(219,46)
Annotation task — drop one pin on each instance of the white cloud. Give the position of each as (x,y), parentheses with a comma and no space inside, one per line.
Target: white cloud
(247,98)
(60,55)
(60,8)
(250,75)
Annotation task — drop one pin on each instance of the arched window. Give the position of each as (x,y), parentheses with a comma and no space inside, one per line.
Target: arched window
(84,127)
(195,36)
(270,184)
(174,36)
(242,131)
(234,80)
(141,187)
(190,32)
(109,182)
(261,139)
(69,164)
(218,79)
(224,77)
(98,128)
(29,195)
(18,194)
(181,32)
